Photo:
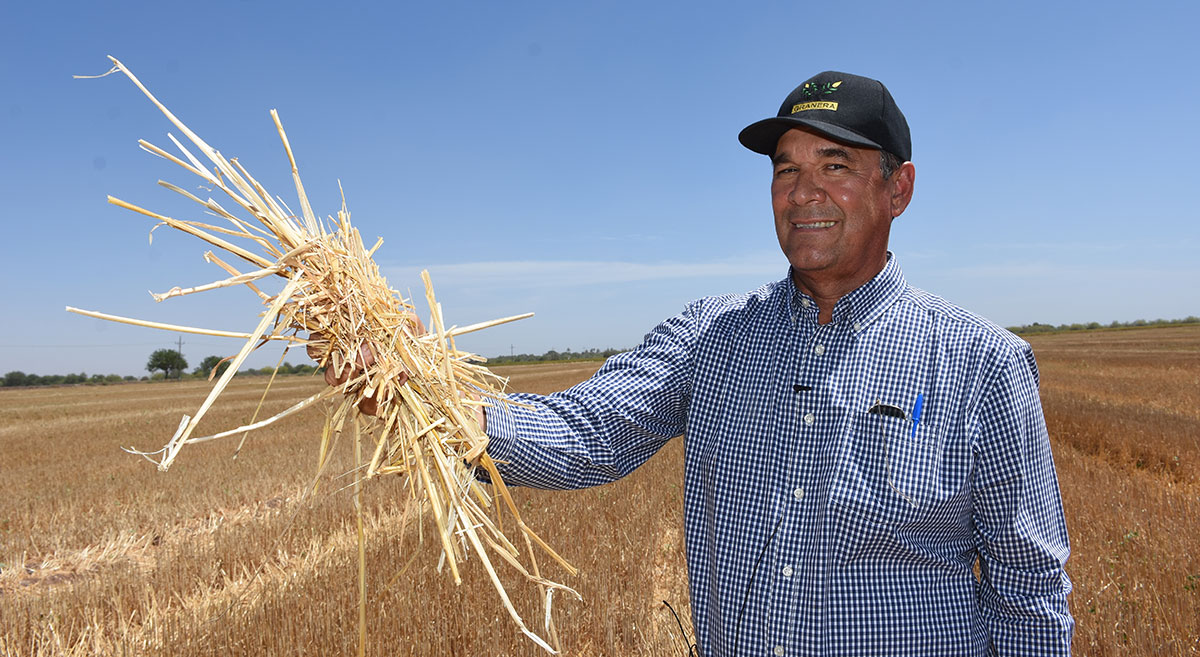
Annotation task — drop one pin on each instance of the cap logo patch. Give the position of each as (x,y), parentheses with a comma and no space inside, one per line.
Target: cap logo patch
(815,90)
(815,105)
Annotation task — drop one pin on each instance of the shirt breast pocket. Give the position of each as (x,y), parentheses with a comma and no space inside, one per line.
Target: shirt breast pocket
(889,474)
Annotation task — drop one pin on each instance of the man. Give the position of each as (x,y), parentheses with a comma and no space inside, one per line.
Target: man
(854,445)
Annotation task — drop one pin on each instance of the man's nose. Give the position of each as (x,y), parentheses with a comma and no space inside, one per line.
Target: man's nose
(805,188)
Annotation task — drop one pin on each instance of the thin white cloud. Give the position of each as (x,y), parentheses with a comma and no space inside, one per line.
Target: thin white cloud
(565,273)
(1063,247)
(1053,273)
(628,237)
(1141,247)
(1014,270)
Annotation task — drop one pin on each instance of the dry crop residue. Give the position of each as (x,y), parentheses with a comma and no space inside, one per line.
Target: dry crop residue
(1122,410)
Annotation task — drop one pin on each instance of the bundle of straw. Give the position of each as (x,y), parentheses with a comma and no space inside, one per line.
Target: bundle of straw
(423,391)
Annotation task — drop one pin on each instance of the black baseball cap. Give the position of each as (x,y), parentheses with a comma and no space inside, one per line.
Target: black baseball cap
(847,108)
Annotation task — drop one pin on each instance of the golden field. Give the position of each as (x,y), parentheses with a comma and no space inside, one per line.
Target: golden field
(102,554)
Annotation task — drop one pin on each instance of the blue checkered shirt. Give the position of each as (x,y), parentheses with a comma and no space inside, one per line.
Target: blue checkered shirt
(815,526)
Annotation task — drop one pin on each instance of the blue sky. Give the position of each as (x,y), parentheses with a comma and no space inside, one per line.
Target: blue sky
(580,161)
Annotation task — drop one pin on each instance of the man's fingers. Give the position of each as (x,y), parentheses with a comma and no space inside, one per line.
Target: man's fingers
(317,346)
(366,356)
(339,371)
(368,406)
(417,324)
(331,377)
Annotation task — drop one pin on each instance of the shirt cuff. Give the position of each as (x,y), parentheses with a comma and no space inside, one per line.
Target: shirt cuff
(501,429)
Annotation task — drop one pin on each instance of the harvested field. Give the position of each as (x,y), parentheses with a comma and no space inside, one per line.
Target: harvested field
(1123,409)
(102,554)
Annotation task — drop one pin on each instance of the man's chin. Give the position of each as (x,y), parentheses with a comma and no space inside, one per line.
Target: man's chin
(810,261)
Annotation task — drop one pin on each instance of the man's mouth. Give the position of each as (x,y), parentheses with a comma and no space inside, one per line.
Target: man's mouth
(815,224)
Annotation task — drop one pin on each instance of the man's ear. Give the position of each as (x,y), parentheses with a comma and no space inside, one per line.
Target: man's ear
(902,188)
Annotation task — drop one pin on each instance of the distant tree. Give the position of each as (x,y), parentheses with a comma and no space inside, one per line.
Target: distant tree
(14,378)
(167,360)
(209,363)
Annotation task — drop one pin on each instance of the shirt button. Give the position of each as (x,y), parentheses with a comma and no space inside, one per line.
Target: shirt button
(787,571)
(857,326)
(779,651)
(798,493)
(805,302)
(809,419)
(820,349)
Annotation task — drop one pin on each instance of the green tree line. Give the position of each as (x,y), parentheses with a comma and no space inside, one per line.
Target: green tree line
(17,378)
(1091,326)
(552,355)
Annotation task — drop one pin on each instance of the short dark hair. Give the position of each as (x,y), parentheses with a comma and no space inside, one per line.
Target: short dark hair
(888,163)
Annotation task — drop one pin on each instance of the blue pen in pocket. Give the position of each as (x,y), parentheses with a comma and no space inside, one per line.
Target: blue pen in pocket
(916,414)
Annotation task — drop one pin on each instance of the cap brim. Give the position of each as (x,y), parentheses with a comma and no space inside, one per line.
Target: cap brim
(762,137)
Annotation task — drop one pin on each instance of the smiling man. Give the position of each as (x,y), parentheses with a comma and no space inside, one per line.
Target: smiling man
(855,447)
(833,213)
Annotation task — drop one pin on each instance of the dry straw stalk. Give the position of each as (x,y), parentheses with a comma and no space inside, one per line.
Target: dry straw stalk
(336,302)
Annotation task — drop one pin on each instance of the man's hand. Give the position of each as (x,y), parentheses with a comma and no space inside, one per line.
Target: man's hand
(337,375)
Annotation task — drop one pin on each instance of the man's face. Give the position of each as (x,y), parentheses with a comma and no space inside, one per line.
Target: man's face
(833,209)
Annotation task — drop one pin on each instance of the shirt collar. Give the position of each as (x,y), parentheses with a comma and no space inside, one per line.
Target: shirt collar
(859,308)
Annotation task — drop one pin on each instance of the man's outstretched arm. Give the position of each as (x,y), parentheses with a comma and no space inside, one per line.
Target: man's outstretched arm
(603,428)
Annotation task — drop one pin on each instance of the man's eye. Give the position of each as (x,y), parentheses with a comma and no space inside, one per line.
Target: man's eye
(785,170)
(835,167)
